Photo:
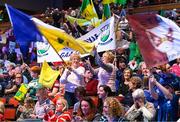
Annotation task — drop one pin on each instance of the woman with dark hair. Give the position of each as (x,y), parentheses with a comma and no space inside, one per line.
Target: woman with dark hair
(104,91)
(86,111)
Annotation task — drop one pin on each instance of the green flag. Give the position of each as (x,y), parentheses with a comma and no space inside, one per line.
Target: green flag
(106,12)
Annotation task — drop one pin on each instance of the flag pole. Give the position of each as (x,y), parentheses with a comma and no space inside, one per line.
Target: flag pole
(64,63)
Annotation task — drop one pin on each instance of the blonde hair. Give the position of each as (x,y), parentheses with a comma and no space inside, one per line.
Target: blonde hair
(75,54)
(110,56)
(115,107)
(64,102)
(2,107)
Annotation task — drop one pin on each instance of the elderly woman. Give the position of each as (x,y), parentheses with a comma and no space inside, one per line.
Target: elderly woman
(72,77)
(141,110)
(112,110)
(106,71)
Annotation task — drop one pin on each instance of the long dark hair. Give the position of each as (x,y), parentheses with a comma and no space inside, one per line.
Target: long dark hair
(92,112)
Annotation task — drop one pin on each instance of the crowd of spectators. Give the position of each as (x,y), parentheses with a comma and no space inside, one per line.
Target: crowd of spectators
(106,87)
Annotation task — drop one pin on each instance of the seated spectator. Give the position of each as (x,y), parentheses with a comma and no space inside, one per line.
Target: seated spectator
(86,111)
(141,110)
(2,108)
(91,83)
(33,84)
(80,93)
(61,114)
(134,83)
(26,110)
(15,85)
(103,92)
(112,110)
(42,103)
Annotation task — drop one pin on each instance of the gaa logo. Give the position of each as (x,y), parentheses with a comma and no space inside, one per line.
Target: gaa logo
(105,33)
(43,49)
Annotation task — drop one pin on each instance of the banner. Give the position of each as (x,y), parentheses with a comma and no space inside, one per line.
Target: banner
(158,38)
(103,36)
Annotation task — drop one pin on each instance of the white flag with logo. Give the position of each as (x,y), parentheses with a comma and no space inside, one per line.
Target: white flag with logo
(103,36)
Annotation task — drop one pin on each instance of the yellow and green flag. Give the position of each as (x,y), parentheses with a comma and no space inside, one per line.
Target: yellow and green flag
(48,76)
(106,12)
(87,10)
(59,39)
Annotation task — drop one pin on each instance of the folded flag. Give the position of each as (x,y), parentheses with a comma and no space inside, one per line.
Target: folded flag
(158,38)
(48,76)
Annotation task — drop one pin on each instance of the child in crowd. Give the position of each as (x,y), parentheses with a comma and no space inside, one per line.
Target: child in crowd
(60,115)
(26,109)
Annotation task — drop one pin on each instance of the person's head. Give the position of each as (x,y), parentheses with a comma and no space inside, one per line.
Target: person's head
(75,59)
(35,71)
(178,60)
(88,74)
(135,82)
(80,92)
(87,106)
(18,69)
(143,67)
(127,73)
(122,63)
(61,105)
(18,78)
(108,57)
(112,107)
(138,95)
(29,102)
(104,91)
(2,107)
(41,93)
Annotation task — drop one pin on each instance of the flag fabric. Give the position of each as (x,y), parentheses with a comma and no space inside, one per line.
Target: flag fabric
(102,35)
(24,29)
(3,39)
(106,12)
(121,2)
(59,39)
(87,10)
(33,29)
(80,22)
(48,76)
(107,1)
(158,38)
(83,22)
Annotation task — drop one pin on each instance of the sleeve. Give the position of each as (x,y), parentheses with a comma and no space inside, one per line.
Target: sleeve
(64,76)
(106,67)
(148,112)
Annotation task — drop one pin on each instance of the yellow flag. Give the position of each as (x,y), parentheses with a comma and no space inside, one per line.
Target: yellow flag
(87,10)
(107,1)
(60,39)
(48,76)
